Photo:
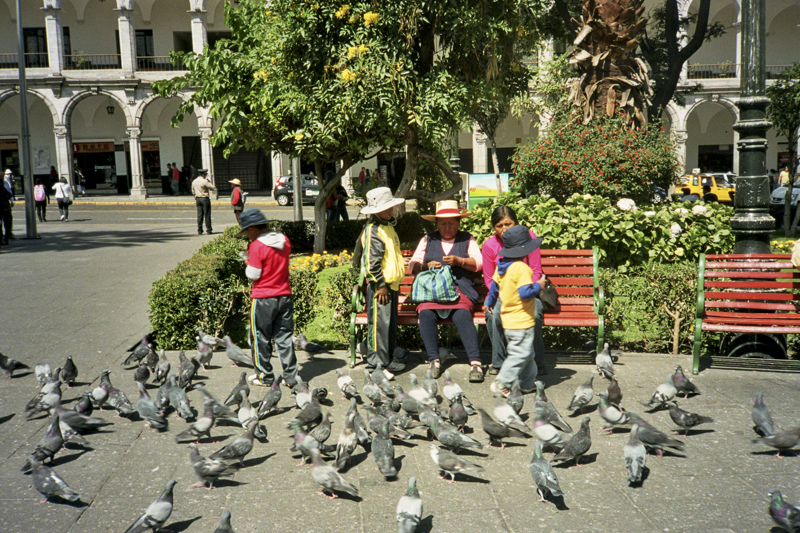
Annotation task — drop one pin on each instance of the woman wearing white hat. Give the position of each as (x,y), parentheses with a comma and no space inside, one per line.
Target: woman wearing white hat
(447,245)
(237,198)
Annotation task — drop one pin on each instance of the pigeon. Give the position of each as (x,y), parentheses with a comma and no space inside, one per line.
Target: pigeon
(577,445)
(583,395)
(186,370)
(547,433)
(761,417)
(310,348)
(451,438)
(786,515)
(430,384)
(346,385)
(162,396)
(204,353)
(515,398)
(451,464)
(458,415)
(43,374)
(605,366)
(310,415)
(211,340)
(209,469)
(320,393)
(239,448)
(50,484)
(119,401)
(362,433)
(139,353)
(151,359)
(548,410)
(201,427)
(303,443)
(322,431)
(224,523)
(409,509)
(635,456)
(372,391)
(330,480)
(8,365)
(664,393)
(49,396)
(148,410)
(162,368)
(221,412)
(449,390)
(84,404)
(69,373)
(420,394)
(505,414)
(781,440)
(236,354)
(497,431)
(157,513)
(682,383)
(301,394)
(611,413)
(271,398)
(383,451)
(685,419)
(178,399)
(240,391)
(543,474)
(347,439)
(49,445)
(379,379)
(653,438)
(614,392)
(142,373)
(68,433)
(100,393)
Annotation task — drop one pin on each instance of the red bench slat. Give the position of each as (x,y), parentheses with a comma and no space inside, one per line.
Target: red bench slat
(752,275)
(775,296)
(554,261)
(765,306)
(753,284)
(750,329)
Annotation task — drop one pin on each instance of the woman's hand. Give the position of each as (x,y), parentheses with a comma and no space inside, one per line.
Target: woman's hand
(453,260)
(434,264)
(542,280)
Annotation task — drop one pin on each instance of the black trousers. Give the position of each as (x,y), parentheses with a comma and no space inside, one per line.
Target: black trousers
(203,213)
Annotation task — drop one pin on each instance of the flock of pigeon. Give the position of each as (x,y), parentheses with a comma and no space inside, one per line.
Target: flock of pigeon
(390,413)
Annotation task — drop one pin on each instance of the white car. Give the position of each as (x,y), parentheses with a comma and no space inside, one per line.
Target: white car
(778,196)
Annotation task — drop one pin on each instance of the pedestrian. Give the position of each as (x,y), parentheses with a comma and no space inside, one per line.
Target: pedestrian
(512,285)
(80,182)
(200,189)
(184,179)
(41,196)
(784,177)
(362,176)
(11,197)
(176,180)
(237,198)
(271,310)
(53,177)
(383,264)
(63,197)
(341,202)
(5,205)
(166,180)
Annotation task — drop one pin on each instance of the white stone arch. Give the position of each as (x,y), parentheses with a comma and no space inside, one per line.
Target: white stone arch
(141,106)
(724,101)
(674,115)
(8,93)
(77,97)
(709,122)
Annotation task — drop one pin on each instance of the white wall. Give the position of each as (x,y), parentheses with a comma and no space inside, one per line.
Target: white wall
(40,127)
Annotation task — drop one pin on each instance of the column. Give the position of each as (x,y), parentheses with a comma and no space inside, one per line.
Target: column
(63,151)
(480,164)
(127,37)
(207,152)
(681,136)
(138,190)
(738,27)
(55,36)
(197,12)
(279,167)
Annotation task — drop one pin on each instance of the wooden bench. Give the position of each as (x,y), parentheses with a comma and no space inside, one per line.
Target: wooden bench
(573,272)
(746,294)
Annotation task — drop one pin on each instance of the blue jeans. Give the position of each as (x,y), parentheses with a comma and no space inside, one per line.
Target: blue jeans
(495,328)
(519,363)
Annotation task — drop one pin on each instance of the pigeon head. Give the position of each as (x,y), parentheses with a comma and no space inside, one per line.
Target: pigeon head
(412,488)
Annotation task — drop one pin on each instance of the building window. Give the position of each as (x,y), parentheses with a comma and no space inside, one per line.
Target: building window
(35,48)
(67,42)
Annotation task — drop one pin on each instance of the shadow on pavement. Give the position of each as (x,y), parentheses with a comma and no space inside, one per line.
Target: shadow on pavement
(183,525)
(65,240)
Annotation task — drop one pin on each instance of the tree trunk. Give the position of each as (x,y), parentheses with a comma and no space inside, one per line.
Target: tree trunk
(787,209)
(412,164)
(496,166)
(325,190)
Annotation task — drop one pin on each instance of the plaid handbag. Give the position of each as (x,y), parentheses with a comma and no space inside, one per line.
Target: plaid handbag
(436,285)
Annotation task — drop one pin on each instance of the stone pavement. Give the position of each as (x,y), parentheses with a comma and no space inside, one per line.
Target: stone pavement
(85,294)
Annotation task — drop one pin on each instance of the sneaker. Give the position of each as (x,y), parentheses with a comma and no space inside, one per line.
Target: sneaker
(493,371)
(496,388)
(210,232)
(62,218)
(388,374)
(527,391)
(253,379)
(199,232)
(476,374)
(542,370)
(436,371)
(396,366)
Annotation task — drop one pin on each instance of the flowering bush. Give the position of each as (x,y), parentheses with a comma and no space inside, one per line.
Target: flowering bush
(603,158)
(624,204)
(316,262)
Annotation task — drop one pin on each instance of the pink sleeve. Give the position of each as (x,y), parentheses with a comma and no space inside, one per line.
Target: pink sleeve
(419,253)
(474,251)
(535,262)
(489,256)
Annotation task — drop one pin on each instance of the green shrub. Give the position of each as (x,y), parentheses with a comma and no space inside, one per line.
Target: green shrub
(411,227)
(339,297)
(343,234)
(304,289)
(300,234)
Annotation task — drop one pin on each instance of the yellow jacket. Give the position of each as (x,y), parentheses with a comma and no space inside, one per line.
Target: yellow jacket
(382,259)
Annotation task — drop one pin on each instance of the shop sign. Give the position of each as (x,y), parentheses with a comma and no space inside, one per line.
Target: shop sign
(92,148)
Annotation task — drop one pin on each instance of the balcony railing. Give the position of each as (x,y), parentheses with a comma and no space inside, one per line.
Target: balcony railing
(726,70)
(32,60)
(92,62)
(156,64)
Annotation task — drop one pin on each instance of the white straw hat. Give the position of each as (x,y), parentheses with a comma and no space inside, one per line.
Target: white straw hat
(380,199)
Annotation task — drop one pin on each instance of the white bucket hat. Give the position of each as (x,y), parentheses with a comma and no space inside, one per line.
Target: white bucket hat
(380,199)
(8,171)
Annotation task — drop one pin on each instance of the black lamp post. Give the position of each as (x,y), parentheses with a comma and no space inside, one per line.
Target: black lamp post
(752,224)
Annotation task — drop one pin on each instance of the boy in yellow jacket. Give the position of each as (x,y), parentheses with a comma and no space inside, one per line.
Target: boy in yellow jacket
(383,264)
(511,283)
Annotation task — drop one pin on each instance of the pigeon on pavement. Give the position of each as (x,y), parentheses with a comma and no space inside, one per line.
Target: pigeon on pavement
(409,509)
(685,419)
(383,451)
(84,405)
(100,393)
(328,478)
(605,365)
(635,456)
(8,365)
(458,415)
(236,354)
(224,523)
(43,374)
(430,384)
(209,469)
(69,373)
(761,417)
(221,412)
(204,353)
(547,433)
(451,388)
(186,370)
(419,393)
(239,448)
(310,348)
(142,373)
(49,483)
(577,445)
(505,414)
(654,439)
(543,474)
(346,385)
(162,368)
(271,398)
(157,513)
(201,427)
(309,416)
(379,378)
(451,464)
(48,397)
(451,438)
(139,353)
(322,431)
(611,413)
(301,394)
(515,398)
(49,445)
(236,396)
(786,515)
(151,360)
(119,401)
(682,383)
(548,410)
(211,340)
(497,431)
(614,392)
(148,410)
(583,395)
(347,439)
(781,440)
(80,422)
(178,399)
(372,391)
(664,393)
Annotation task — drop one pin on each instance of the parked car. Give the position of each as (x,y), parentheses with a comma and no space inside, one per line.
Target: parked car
(284,189)
(777,202)
(722,186)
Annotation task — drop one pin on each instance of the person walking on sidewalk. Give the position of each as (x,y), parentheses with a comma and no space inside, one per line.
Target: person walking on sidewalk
(176,180)
(10,198)
(272,310)
(63,197)
(237,198)
(5,205)
(41,196)
(200,189)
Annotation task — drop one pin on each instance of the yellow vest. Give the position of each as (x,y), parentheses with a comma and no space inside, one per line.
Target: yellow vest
(392,265)
(516,313)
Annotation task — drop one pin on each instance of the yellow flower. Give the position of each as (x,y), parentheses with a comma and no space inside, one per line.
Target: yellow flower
(371,18)
(348,76)
(298,137)
(679,252)
(342,11)
(362,48)
(352,51)
(355,18)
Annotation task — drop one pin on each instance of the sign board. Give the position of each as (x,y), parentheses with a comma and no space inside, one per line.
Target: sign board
(8,144)
(92,148)
(484,187)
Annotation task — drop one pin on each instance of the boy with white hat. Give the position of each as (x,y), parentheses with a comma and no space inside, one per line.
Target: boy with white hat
(383,264)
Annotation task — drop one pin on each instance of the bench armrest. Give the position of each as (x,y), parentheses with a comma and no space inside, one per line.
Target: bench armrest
(701,281)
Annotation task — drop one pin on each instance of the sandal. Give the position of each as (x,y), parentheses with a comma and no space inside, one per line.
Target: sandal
(436,369)
(476,374)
